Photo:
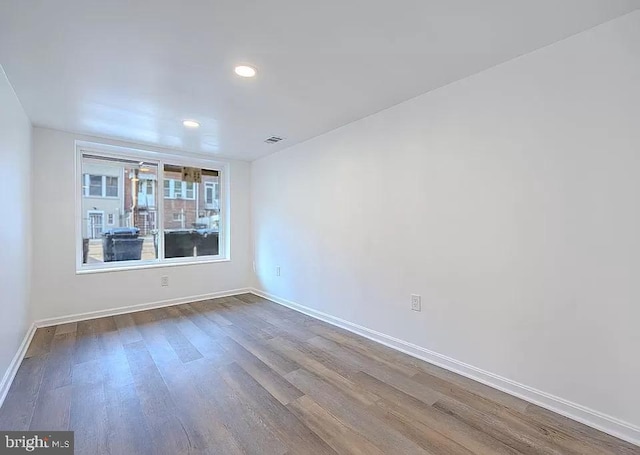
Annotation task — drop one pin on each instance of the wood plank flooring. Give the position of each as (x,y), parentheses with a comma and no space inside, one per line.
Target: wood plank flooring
(243,375)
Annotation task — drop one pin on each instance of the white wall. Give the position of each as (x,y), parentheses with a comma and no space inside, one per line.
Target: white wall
(15,223)
(509,200)
(58,291)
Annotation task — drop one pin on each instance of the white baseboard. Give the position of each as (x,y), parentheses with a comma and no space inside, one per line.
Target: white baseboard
(15,363)
(133,308)
(582,414)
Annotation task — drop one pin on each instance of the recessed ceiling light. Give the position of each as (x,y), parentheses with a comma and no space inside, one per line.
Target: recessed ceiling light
(190,123)
(245,71)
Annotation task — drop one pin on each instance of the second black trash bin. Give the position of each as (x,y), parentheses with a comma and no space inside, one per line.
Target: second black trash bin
(122,244)
(206,242)
(179,243)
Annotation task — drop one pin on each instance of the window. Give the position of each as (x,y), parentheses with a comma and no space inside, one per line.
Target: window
(188,193)
(193,230)
(100,186)
(95,185)
(126,222)
(208,193)
(111,186)
(211,194)
(146,191)
(147,187)
(177,189)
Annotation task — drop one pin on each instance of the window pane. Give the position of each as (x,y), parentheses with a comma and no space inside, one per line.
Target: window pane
(167,188)
(111,186)
(95,185)
(208,193)
(191,225)
(121,226)
(189,190)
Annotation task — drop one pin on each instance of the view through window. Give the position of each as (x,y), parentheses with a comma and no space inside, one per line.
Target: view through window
(125,217)
(194,226)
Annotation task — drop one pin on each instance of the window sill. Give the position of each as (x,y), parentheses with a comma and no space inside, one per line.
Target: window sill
(148,265)
(113,198)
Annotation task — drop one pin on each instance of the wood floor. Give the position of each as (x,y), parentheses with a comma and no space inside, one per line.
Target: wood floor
(245,375)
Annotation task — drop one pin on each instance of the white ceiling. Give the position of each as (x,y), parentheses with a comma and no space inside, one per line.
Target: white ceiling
(134,69)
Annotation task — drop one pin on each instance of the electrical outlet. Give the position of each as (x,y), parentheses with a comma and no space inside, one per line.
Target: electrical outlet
(416,302)
(278,271)
(164,281)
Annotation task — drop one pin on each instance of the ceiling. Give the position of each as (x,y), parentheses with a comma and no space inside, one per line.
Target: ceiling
(134,69)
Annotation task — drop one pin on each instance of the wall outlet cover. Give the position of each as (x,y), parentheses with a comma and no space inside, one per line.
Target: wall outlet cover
(416,302)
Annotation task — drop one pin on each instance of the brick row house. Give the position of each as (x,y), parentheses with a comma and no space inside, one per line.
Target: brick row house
(117,194)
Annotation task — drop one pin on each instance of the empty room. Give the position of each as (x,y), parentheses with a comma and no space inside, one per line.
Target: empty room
(335,227)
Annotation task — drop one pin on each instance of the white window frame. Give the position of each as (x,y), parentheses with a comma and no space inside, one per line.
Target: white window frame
(159,159)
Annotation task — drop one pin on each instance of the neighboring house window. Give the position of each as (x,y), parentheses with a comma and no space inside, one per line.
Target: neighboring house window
(212,195)
(177,189)
(111,186)
(188,190)
(147,187)
(100,186)
(209,192)
(118,188)
(146,192)
(95,185)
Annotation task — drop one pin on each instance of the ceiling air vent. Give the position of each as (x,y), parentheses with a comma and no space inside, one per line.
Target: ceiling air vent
(273,139)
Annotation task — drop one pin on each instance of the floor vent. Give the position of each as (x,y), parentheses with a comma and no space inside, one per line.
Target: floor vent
(273,139)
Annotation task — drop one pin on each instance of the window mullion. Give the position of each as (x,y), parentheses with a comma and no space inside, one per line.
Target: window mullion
(161,214)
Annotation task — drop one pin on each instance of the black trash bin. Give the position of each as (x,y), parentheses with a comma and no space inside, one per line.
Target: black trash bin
(206,242)
(179,243)
(122,244)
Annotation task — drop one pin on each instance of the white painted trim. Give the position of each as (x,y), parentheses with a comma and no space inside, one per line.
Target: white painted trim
(182,262)
(134,308)
(582,414)
(10,374)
